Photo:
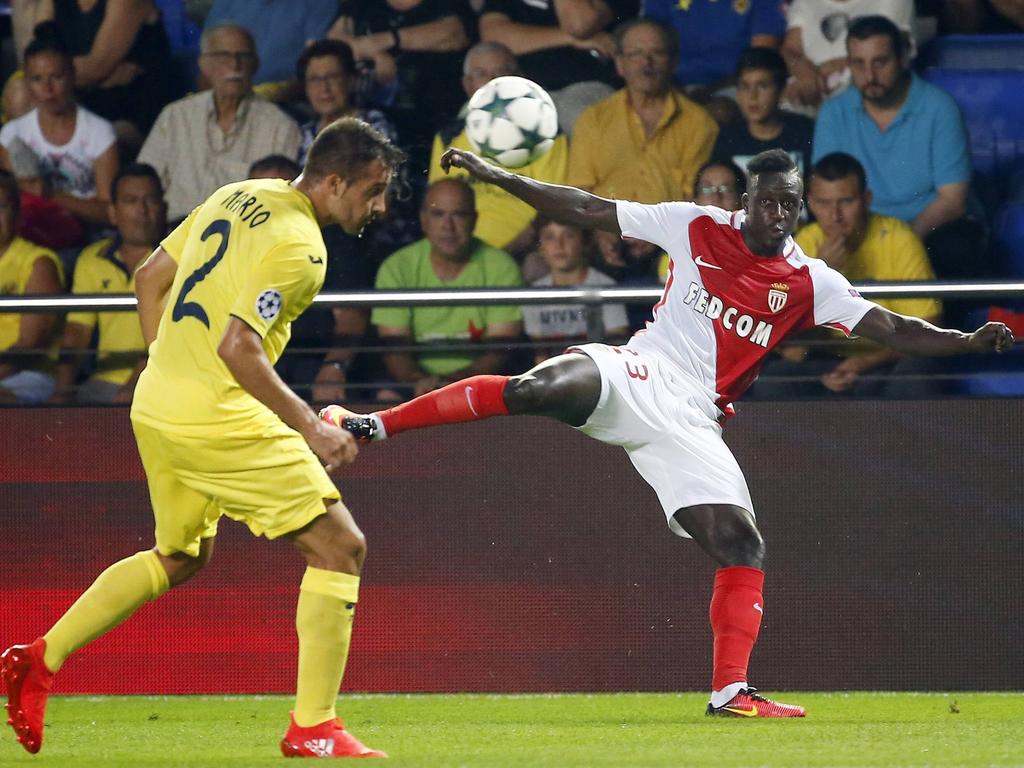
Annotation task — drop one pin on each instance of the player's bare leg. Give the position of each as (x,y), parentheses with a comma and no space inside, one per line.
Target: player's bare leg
(566,388)
(729,535)
(334,549)
(28,670)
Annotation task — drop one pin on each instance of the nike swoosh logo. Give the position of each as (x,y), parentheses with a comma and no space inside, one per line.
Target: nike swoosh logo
(699,261)
(758,608)
(469,399)
(752,712)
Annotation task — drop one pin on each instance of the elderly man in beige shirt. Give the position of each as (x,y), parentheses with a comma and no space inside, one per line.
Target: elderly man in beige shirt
(209,139)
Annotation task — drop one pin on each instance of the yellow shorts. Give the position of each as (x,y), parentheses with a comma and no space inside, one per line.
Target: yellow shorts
(274,485)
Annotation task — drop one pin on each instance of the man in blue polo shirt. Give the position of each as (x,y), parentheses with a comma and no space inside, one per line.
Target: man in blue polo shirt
(910,138)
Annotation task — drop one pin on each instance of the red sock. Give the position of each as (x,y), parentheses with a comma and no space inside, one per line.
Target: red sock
(736,608)
(472,399)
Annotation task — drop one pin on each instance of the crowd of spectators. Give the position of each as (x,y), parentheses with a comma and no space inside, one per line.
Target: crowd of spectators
(115,129)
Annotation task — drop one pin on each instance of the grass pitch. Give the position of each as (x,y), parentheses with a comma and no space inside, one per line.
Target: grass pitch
(842,729)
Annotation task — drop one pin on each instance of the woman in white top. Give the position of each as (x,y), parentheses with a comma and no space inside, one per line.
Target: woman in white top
(60,150)
(815,44)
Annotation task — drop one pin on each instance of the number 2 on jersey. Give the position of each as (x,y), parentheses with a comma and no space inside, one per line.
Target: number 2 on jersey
(183,308)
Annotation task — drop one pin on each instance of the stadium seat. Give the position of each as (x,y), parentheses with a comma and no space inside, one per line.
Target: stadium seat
(975,52)
(993,113)
(1008,239)
(992,375)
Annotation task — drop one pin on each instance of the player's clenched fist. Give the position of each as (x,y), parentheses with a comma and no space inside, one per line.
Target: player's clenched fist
(991,337)
(334,446)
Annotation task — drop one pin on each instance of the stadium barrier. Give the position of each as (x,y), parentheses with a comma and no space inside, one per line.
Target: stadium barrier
(517,555)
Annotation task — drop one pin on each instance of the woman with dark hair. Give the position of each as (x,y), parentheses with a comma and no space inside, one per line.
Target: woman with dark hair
(327,71)
(121,54)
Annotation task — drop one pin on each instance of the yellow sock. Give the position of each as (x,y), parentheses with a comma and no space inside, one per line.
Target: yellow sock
(323,620)
(113,597)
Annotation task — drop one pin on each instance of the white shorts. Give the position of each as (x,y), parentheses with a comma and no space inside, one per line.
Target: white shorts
(665,423)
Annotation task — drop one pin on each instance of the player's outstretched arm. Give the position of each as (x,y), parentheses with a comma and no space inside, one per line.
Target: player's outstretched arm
(153,282)
(913,336)
(565,204)
(242,351)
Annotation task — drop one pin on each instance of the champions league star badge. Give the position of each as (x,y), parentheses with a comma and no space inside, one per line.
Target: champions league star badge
(268,304)
(777,296)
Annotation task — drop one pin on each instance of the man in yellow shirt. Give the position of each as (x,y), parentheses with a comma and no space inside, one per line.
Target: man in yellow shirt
(647,141)
(139,213)
(503,220)
(866,247)
(28,342)
(219,433)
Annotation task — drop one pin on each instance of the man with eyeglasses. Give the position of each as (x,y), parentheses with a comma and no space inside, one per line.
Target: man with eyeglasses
(210,139)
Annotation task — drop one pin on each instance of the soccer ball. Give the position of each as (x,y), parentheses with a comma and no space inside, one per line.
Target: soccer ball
(511,120)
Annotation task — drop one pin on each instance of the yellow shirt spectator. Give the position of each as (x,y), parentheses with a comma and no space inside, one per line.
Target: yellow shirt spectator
(890,251)
(500,215)
(99,269)
(611,154)
(16,265)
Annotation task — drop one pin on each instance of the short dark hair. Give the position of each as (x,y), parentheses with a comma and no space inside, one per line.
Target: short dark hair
(340,50)
(45,40)
(864,27)
(668,34)
(346,147)
(272,162)
(540,221)
(766,59)
(9,184)
(770,161)
(737,172)
(839,165)
(135,171)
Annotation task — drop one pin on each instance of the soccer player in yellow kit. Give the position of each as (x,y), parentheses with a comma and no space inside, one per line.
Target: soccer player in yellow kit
(219,433)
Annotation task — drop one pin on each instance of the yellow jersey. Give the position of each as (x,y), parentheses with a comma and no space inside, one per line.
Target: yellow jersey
(16,265)
(253,250)
(99,269)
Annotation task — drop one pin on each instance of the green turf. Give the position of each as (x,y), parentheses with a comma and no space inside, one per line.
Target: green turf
(842,729)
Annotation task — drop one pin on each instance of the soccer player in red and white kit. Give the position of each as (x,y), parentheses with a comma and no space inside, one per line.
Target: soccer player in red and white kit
(738,285)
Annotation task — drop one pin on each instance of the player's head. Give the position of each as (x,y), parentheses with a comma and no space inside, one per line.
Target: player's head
(839,197)
(326,69)
(347,173)
(50,74)
(10,206)
(275,167)
(228,59)
(719,183)
(484,62)
(646,55)
(879,58)
(137,206)
(773,201)
(448,217)
(761,75)
(562,246)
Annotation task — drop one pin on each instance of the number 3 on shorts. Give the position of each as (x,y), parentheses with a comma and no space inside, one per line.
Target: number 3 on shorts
(183,308)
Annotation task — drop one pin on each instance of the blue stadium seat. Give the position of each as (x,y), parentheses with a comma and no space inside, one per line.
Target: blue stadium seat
(993,111)
(1008,239)
(991,375)
(975,52)
(182,32)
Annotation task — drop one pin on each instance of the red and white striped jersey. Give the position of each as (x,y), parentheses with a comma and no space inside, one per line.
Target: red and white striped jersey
(725,308)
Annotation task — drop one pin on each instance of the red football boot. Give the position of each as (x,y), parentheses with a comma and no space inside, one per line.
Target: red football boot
(328,739)
(28,684)
(749,703)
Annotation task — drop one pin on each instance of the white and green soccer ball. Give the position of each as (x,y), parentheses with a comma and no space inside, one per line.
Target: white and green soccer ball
(512,121)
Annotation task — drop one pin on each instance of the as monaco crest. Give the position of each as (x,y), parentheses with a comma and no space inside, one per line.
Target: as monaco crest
(777,296)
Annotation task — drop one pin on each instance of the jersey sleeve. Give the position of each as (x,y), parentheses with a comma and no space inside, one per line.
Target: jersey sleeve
(837,304)
(661,224)
(282,285)
(174,243)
